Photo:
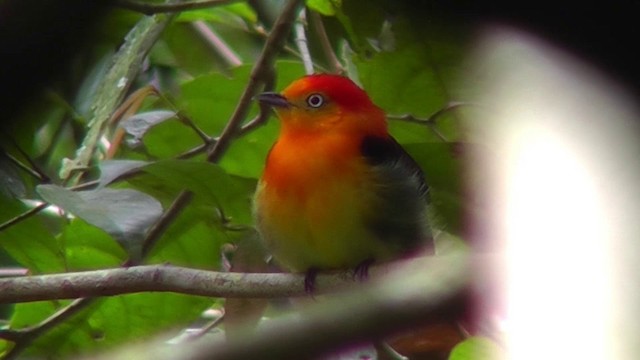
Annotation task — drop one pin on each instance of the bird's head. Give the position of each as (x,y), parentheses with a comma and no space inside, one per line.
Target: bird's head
(326,102)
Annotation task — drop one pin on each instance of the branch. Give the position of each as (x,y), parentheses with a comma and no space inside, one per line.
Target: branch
(325,43)
(25,215)
(431,120)
(302,43)
(24,337)
(217,44)
(260,73)
(113,87)
(32,169)
(166,278)
(431,289)
(149,8)
(159,227)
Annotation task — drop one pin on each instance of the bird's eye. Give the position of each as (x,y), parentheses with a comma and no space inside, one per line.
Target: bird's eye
(315,100)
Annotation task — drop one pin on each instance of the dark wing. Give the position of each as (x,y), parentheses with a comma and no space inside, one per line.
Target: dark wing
(398,214)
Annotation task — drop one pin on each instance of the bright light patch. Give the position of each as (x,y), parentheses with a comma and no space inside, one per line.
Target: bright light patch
(563,200)
(557,289)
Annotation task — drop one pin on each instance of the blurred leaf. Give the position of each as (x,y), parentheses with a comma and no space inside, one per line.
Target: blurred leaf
(195,59)
(249,256)
(403,82)
(476,348)
(138,124)
(108,322)
(87,247)
(194,240)
(228,14)
(29,242)
(211,183)
(209,100)
(362,23)
(443,174)
(91,82)
(125,214)
(11,184)
(36,129)
(247,154)
(324,7)
(110,170)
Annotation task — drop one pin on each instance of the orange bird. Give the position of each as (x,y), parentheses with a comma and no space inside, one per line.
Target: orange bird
(337,190)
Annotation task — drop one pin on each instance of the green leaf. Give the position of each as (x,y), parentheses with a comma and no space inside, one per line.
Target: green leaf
(402,82)
(125,214)
(193,240)
(476,348)
(210,183)
(87,247)
(110,170)
(247,154)
(29,242)
(229,14)
(443,174)
(108,322)
(324,7)
(138,124)
(11,184)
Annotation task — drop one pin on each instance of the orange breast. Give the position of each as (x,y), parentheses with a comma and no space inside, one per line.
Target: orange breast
(311,200)
(300,164)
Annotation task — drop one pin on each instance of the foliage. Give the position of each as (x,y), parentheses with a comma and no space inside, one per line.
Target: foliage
(406,67)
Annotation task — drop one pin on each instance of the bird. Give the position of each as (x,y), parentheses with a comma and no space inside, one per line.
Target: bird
(337,190)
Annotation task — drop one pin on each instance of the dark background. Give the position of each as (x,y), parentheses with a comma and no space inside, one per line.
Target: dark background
(35,46)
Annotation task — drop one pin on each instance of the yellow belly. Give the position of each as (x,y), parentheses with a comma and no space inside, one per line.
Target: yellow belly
(326,230)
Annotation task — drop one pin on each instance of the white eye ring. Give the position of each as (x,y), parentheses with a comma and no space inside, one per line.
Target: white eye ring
(315,100)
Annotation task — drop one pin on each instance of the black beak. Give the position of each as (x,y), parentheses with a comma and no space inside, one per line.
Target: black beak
(273,99)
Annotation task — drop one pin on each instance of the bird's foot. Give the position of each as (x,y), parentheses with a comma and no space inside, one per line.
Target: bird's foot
(361,272)
(310,281)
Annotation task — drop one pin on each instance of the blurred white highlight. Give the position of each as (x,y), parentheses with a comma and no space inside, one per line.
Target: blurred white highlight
(566,160)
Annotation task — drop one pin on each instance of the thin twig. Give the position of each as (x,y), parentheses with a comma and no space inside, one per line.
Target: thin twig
(262,68)
(259,76)
(206,328)
(431,119)
(113,87)
(158,229)
(32,169)
(200,149)
(260,31)
(25,215)
(84,185)
(24,337)
(13,272)
(332,58)
(264,110)
(217,43)
(149,8)
(302,43)
(208,140)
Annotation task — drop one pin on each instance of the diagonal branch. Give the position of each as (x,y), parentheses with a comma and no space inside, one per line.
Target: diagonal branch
(112,89)
(25,215)
(24,337)
(261,74)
